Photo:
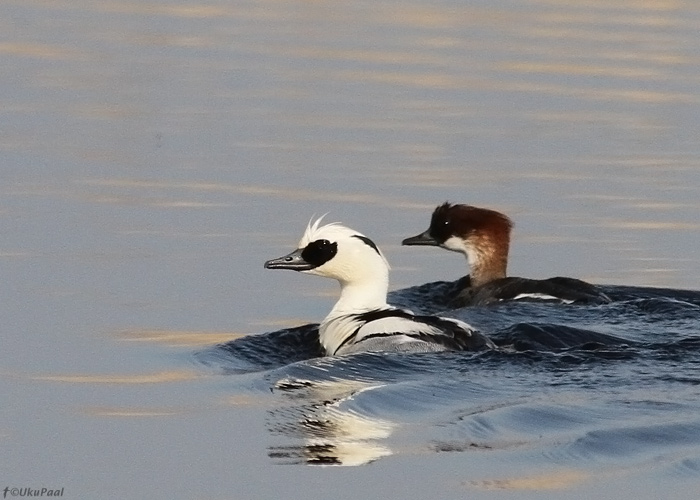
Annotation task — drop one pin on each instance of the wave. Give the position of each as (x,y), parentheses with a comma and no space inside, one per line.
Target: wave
(573,383)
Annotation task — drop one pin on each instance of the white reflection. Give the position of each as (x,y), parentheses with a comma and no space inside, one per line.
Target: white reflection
(327,433)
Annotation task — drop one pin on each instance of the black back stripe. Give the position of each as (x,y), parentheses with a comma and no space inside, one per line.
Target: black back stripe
(452,335)
(450,342)
(385,313)
(378,335)
(348,340)
(367,241)
(369,316)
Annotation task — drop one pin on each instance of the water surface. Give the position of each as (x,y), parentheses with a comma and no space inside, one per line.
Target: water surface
(155,154)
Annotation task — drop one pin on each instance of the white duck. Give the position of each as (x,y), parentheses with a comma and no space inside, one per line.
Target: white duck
(361,320)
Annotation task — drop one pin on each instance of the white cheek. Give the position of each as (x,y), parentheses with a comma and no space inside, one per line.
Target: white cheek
(317,271)
(334,268)
(455,244)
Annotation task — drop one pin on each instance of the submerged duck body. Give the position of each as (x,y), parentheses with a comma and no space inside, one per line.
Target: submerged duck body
(361,320)
(483,236)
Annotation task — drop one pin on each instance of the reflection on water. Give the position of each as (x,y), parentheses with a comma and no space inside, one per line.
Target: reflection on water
(598,398)
(542,482)
(132,412)
(198,189)
(329,434)
(137,378)
(172,338)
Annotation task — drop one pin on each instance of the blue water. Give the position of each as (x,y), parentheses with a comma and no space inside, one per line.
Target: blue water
(592,388)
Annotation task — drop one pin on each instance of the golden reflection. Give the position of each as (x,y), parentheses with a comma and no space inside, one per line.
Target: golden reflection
(662,58)
(563,176)
(132,412)
(606,5)
(654,225)
(626,17)
(439,177)
(188,204)
(35,50)
(657,205)
(434,16)
(603,197)
(584,34)
(421,16)
(364,56)
(646,162)
(585,69)
(553,239)
(428,79)
(601,94)
(280,323)
(247,400)
(136,378)
(123,411)
(191,10)
(552,481)
(253,190)
(188,11)
(179,338)
(175,41)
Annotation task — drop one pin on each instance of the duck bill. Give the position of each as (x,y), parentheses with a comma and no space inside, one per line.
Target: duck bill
(293,261)
(423,238)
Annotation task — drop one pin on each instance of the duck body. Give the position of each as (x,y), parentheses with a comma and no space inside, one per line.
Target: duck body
(483,236)
(558,289)
(394,329)
(361,320)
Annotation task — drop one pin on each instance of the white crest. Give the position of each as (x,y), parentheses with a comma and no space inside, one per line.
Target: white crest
(333,231)
(313,229)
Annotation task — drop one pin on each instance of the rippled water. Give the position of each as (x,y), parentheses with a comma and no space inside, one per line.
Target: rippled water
(155,154)
(600,390)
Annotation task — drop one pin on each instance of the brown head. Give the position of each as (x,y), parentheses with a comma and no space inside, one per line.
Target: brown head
(482,235)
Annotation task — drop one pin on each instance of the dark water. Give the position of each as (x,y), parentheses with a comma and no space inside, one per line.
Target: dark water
(604,389)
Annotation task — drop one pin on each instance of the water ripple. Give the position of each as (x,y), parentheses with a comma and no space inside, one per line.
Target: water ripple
(594,384)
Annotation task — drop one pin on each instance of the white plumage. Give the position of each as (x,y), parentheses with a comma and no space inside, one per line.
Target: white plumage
(361,319)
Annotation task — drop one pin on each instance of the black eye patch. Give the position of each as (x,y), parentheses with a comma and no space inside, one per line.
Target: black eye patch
(440,227)
(319,252)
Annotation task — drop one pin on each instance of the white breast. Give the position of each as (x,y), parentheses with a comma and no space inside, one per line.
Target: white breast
(342,334)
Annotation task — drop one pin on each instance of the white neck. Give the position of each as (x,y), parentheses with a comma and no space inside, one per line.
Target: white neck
(478,266)
(362,295)
(363,275)
(486,259)
(355,297)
